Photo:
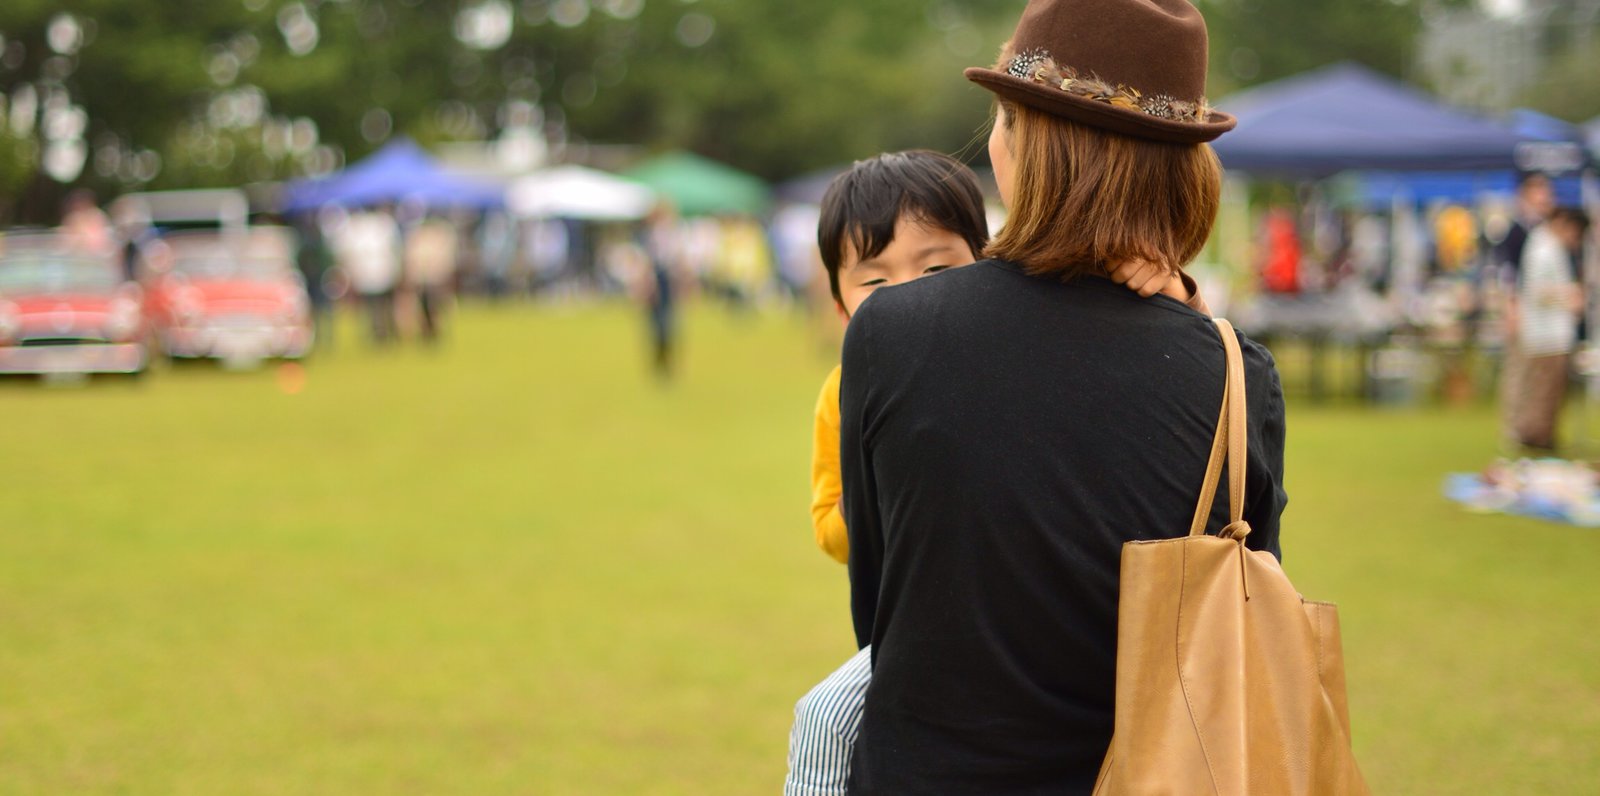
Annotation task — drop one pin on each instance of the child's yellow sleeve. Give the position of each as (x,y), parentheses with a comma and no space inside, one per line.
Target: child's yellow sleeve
(826,488)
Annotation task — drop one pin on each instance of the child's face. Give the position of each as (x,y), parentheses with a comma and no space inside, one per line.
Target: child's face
(917,250)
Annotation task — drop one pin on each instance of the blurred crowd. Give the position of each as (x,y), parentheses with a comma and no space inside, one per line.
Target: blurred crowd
(1509,279)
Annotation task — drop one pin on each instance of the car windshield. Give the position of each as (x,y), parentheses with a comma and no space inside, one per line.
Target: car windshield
(225,267)
(37,272)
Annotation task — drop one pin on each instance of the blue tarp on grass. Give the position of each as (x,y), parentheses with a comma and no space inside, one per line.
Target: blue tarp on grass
(1478,496)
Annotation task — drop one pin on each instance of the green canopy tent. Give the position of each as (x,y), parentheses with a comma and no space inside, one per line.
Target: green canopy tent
(699,186)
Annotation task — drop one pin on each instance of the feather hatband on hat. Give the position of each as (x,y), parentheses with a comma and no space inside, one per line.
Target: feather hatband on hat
(1038,66)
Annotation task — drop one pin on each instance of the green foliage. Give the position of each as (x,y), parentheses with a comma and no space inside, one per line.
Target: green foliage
(771,86)
(1256,41)
(19,159)
(777,88)
(783,88)
(1569,88)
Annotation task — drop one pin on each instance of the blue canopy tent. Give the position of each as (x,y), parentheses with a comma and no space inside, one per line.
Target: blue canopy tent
(1547,144)
(1535,126)
(1348,117)
(1396,148)
(399,172)
(1377,190)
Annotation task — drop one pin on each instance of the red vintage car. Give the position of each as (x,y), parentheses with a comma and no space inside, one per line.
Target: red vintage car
(231,296)
(67,311)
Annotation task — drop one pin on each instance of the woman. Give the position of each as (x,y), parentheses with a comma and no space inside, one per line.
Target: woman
(1006,427)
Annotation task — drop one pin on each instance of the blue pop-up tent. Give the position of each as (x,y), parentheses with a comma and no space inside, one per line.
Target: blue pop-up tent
(1532,125)
(1348,117)
(1378,190)
(399,172)
(1546,144)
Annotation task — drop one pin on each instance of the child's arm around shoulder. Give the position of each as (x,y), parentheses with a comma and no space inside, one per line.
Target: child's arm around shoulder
(826,487)
(1147,279)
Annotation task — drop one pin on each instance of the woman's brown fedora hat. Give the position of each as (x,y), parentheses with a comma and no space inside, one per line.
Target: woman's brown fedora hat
(1135,67)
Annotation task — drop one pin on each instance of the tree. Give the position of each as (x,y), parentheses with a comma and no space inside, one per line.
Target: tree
(232,91)
(1255,41)
(190,94)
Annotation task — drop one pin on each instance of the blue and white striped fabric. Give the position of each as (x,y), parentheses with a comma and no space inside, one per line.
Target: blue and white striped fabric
(826,721)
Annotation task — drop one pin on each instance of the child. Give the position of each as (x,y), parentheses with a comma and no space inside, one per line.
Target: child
(888,220)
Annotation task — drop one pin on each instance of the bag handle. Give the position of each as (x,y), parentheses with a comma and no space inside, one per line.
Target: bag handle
(1230,439)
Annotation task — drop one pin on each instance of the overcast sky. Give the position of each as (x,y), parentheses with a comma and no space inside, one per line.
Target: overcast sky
(1502,8)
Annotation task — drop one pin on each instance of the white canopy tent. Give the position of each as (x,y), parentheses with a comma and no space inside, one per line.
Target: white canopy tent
(579,193)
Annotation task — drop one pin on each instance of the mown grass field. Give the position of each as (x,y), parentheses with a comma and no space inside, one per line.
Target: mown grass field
(516,566)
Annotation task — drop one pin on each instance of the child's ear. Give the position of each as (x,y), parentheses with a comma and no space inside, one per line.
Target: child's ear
(844,314)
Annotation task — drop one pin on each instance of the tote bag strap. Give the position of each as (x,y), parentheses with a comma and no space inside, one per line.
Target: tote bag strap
(1229,439)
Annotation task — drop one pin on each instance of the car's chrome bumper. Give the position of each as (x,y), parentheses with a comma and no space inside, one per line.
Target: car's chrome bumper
(237,341)
(75,358)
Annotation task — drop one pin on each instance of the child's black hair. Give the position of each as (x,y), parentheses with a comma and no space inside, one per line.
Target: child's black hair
(1573,216)
(862,205)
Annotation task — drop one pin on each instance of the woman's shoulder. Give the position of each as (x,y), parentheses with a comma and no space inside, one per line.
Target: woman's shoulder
(1260,373)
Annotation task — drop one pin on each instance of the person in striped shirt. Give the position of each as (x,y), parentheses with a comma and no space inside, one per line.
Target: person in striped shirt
(1551,302)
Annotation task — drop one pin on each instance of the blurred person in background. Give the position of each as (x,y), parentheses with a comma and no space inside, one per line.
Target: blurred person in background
(134,230)
(744,263)
(84,225)
(1550,303)
(430,269)
(497,249)
(1369,251)
(702,240)
(368,246)
(313,260)
(582,270)
(1455,239)
(1536,200)
(794,239)
(546,244)
(1280,252)
(659,286)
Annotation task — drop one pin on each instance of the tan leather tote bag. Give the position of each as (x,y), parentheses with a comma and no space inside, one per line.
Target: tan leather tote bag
(1228,681)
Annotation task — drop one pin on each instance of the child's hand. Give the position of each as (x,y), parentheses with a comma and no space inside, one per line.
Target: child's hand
(1175,288)
(1145,278)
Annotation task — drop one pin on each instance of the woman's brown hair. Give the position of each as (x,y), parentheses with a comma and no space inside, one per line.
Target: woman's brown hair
(1084,199)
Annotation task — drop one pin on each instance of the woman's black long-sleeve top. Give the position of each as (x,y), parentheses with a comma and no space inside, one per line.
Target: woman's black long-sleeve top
(1002,436)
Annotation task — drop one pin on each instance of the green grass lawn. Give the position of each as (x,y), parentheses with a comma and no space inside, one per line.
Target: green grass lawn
(515,565)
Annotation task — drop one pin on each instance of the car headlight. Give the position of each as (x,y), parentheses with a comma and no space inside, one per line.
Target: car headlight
(296,308)
(10,324)
(122,319)
(186,306)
